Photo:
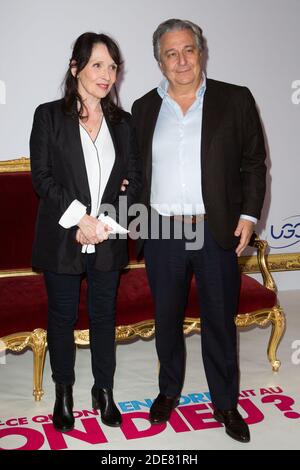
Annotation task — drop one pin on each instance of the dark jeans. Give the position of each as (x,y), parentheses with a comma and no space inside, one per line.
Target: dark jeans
(169,267)
(63,302)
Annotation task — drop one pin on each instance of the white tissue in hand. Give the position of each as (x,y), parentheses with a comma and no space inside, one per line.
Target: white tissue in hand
(116,228)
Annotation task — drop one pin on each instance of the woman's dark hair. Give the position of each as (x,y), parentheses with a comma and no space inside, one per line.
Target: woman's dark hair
(81,54)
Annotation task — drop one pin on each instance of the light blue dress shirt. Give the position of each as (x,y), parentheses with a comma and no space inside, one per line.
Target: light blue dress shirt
(176,162)
(176,187)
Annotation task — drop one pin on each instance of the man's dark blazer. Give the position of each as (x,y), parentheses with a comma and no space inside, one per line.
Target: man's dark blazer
(59,176)
(232,155)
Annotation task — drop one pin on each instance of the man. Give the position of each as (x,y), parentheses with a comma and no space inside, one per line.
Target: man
(203,151)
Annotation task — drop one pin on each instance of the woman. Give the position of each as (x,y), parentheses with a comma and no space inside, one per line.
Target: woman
(82,148)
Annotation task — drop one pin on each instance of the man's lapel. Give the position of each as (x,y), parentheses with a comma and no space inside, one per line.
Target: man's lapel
(214,105)
(151,118)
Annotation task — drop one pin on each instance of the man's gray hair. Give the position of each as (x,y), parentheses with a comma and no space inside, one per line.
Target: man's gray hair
(176,25)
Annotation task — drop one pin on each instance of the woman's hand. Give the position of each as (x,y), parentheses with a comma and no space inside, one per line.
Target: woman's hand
(102,231)
(88,226)
(80,238)
(102,234)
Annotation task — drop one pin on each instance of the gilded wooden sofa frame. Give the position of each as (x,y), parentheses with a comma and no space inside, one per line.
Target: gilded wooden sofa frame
(37,339)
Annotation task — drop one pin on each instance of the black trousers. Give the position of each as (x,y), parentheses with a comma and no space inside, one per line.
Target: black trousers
(169,267)
(63,302)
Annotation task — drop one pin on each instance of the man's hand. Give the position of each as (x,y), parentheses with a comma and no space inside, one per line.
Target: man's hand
(244,230)
(124,185)
(88,226)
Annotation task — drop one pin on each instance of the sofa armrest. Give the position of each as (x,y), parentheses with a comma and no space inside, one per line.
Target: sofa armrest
(261,246)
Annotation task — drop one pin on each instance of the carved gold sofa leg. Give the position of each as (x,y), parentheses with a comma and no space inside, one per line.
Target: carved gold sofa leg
(37,341)
(262,318)
(38,345)
(278,324)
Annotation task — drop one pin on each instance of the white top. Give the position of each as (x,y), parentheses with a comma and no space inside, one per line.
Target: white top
(99,157)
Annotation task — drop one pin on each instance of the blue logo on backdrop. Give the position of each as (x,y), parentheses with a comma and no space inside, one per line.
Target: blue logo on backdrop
(286,234)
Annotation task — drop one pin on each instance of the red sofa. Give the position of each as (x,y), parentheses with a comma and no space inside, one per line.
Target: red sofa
(23,302)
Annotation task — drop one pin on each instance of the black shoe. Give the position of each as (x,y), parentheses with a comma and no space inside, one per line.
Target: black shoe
(102,399)
(63,419)
(234,424)
(161,408)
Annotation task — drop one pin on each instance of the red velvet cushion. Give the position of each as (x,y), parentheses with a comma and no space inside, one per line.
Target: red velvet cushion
(23,304)
(18,207)
(23,301)
(254,296)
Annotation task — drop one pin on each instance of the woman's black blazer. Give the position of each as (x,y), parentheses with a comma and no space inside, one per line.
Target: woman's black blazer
(59,176)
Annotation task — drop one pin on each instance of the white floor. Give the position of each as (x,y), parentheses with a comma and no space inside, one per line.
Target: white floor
(275,419)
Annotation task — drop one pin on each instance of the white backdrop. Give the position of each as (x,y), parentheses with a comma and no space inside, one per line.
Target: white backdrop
(250,42)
